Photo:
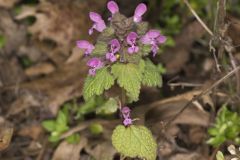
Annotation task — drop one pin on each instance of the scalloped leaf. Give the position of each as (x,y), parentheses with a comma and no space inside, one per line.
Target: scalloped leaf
(134,141)
(108,108)
(128,77)
(145,49)
(151,75)
(95,85)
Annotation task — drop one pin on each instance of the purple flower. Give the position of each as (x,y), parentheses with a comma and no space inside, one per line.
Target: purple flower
(86,46)
(111,57)
(127,121)
(139,11)
(125,112)
(154,38)
(112,7)
(126,116)
(131,40)
(94,63)
(98,24)
(114,48)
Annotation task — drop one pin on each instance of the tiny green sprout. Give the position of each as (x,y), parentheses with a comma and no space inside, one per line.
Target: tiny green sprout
(57,126)
(96,128)
(226,127)
(73,139)
(98,105)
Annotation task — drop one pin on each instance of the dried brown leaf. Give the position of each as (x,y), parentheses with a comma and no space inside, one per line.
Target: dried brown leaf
(69,151)
(8,3)
(40,69)
(62,22)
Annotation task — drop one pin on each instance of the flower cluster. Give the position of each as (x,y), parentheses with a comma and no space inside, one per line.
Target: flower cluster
(123,37)
(125,111)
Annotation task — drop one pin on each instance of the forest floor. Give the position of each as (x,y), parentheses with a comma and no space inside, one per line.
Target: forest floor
(41,70)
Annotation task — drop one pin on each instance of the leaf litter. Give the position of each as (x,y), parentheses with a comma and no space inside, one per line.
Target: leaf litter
(40,70)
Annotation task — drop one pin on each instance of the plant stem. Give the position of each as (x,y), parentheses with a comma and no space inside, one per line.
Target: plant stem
(123,96)
(122,157)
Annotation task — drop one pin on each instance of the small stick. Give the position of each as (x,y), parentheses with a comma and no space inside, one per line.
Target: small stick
(201,94)
(184,84)
(208,30)
(198,18)
(237,73)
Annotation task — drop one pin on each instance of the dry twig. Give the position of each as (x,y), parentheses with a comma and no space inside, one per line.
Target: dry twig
(201,94)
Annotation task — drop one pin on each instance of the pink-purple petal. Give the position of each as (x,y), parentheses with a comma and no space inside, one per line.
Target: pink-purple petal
(131,38)
(145,39)
(111,57)
(100,26)
(125,110)
(112,7)
(95,63)
(86,46)
(139,11)
(127,121)
(83,44)
(130,50)
(153,33)
(92,72)
(114,45)
(133,49)
(95,17)
(161,39)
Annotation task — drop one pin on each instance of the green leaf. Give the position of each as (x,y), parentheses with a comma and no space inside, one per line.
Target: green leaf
(96,128)
(134,141)
(108,107)
(129,77)
(60,128)
(213,131)
(132,58)
(54,138)
(216,141)
(145,49)
(220,156)
(95,85)
(61,118)
(87,107)
(2,41)
(161,69)
(100,49)
(49,125)
(73,139)
(151,75)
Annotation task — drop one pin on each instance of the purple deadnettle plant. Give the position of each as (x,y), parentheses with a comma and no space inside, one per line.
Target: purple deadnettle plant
(119,59)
